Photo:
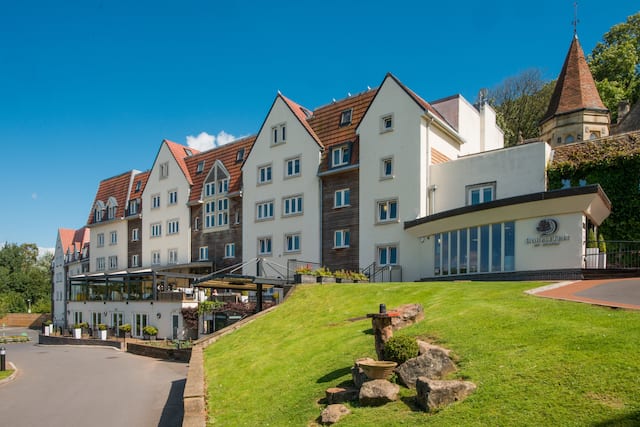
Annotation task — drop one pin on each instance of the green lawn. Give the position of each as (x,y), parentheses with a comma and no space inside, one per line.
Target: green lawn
(6,374)
(536,361)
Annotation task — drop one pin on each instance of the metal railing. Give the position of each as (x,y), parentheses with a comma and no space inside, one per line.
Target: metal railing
(383,273)
(618,254)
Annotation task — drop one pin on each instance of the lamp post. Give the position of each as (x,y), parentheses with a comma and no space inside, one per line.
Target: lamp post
(29,303)
(3,355)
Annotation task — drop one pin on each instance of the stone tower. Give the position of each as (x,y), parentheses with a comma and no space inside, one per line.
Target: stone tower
(575,111)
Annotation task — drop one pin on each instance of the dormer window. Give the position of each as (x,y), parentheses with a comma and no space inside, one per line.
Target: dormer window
(345,117)
(200,166)
(138,186)
(279,134)
(340,156)
(240,155)
(188,152)
(98,211)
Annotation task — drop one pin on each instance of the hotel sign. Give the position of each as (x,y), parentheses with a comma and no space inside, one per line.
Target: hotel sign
(547,234)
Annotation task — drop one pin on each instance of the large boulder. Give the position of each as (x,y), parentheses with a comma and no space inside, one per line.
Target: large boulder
(424,347)
(332,413)
(434,394)
(357,374)
(409,314)
(434,364)
(341,394)
(378,393)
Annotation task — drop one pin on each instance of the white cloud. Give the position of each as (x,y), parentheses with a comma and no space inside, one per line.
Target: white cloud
(44,251)
(204,141)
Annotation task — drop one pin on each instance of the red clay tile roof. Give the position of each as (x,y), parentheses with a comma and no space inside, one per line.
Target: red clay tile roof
(303,115)
(227,155)
(575,89)
(142,177)
(325,121)
(68,237)
(597,150)
(117,187)
(180,152)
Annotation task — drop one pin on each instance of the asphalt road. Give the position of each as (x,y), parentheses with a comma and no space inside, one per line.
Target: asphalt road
(625,291)
(86,386)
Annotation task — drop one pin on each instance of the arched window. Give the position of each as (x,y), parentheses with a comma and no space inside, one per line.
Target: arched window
(569,138)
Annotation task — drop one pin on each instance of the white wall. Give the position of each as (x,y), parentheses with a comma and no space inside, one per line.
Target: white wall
(107,250)
(516,170)
(58,284)
(298,143)
(180,211)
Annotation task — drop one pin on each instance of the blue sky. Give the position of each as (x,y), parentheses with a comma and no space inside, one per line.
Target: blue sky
(90,88)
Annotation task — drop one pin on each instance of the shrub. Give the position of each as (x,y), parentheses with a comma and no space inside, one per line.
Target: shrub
(81,325)
(304,270)
(150,330)
(592,242)
(399,349)
(125,327)
(602,245)
(102,327)
(322,272)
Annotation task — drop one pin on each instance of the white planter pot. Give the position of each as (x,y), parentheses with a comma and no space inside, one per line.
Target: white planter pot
(77,333)
(102,335)
(47,330)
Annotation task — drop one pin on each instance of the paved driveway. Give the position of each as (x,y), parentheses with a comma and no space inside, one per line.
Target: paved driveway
(86,386)
(622,293)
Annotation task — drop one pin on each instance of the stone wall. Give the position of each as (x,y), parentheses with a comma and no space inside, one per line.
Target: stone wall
(180,355)
(57,340)
(24,320)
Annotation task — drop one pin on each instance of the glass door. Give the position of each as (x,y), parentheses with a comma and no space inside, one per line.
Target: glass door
(141,320)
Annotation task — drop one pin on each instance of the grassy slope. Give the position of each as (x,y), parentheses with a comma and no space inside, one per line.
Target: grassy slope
(535,361)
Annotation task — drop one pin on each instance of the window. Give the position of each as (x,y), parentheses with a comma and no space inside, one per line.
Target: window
(196,223)
(209,189)
(135,235)
(133,206)
(481,193)
(114,237)
(279,134)
(388,255)
(264,210)
(164,170)
(173,197)
(341,198)
(203,253)
(155,201)
(386,170)
(113,262)
(386,123)
(100,240)
(173,226)
(264,246)
(292,243)
(240,155)
(387,211)
(230,250)
(264,174)
(569,139)
(292,205)
(209,214)
(173,256)
(156,229)
(340,156)
(138,185)
(200,166)
(345,117)
(292,167)
(155,258)
(223,212)
(100,264)
(97,214)
(135,260)
(111,211)
(223,186)
(341,238)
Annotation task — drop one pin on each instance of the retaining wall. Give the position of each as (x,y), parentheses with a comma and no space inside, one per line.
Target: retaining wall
(24,320)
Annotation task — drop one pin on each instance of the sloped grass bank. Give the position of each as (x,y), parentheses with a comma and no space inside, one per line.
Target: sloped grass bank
(536,361)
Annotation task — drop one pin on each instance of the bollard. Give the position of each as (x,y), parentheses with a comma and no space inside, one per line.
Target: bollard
(3,355)
(383,308)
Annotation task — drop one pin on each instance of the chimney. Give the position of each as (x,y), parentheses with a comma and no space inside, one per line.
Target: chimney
(623,110)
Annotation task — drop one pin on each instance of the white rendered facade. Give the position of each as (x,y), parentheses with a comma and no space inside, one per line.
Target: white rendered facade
(59,277)
(281,192)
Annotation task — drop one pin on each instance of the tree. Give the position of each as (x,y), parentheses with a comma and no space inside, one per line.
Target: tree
(615,64)
(520,102)
(24,276)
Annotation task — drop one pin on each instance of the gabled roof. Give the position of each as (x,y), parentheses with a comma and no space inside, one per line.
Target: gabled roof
(142,177)
(180,153)
(575,89)
(66,238)
(302,114)
(69,237)
(227,155)
(117,187)
(325,122)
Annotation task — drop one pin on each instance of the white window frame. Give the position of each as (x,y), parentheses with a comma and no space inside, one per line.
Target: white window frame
(388,204)
(341,239)
(222,216)
(135,260)
(156,229)
(173,197)
(155,258)
(200,166)
(113,262)
(292,167)
(341,152)
(384,173)
(279,134)
(203,253)
(265,174)
(173,226)
(172,256)
(100,264)
(480,188)
(209,214)
(100,242)
(230,250)
(264,243)
(135,234)
(164,170)
(386,123)
(155,201)
(293,205)
(113,236)
(387,248)
(339,198)
(265,210)
(133,207)
(346,116)
(292,243)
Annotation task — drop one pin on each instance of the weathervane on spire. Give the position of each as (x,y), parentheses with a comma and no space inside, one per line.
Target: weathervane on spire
(575,18)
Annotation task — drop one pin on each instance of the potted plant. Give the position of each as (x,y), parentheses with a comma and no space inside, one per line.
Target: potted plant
(149,332)
(341,276)
(304,275)
(125,330)
(102,331)
(357,277)
(77,329)
(324,275)
(47,327)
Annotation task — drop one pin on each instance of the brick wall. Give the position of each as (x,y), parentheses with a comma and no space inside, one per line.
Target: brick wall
(24,320)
